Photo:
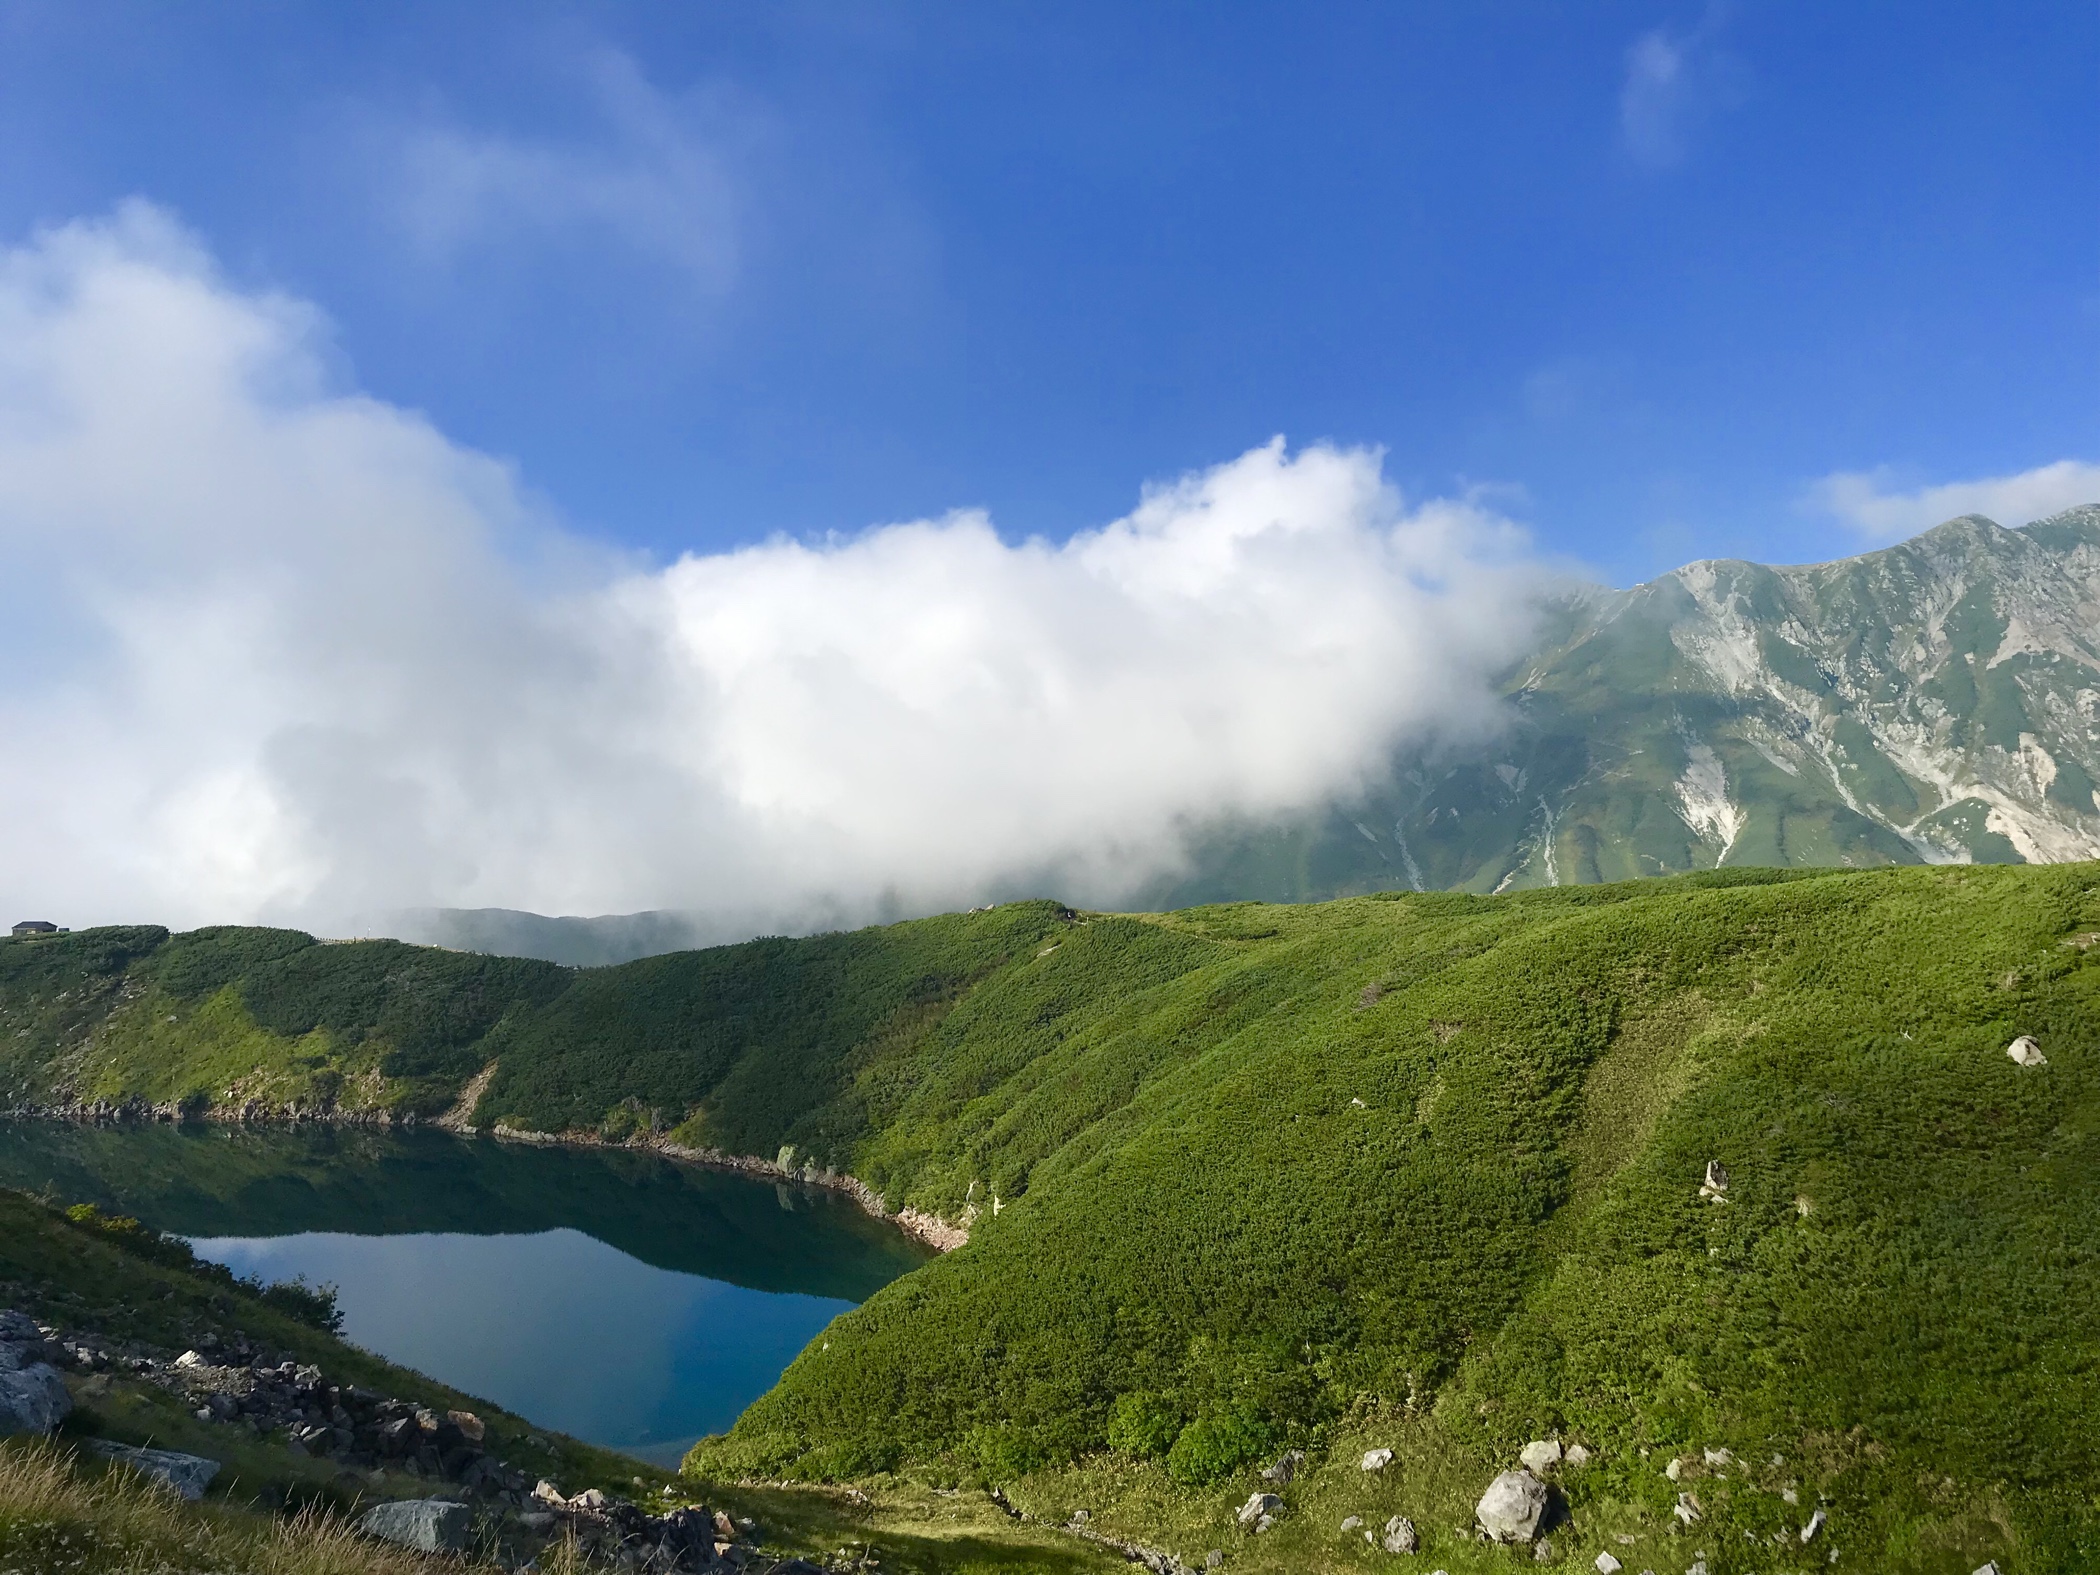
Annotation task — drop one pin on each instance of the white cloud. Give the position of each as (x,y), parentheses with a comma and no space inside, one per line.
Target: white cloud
(281,650)
(652,173)
(1673,78)
(1867,500)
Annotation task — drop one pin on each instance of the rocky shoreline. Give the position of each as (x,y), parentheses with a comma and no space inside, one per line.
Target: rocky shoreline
(374,1440)
(928,1229)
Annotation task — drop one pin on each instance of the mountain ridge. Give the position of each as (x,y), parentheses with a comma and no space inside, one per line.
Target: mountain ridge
(1934,701)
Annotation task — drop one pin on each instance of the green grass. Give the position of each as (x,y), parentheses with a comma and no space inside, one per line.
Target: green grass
(1419,1170)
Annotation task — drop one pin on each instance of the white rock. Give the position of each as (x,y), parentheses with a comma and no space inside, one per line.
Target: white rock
(1717,1458)
(1541,1454)
(1716,1182)
(1577,1457)
(1377,1459)
(191,1359)
(1674,1470)
(2025,1052)
(1351,1522)
(1607,1565)
(1259,1506)
(1988,1569)
(1400,1535)
(1512,1507)
(1815,1524)
(1789,1496)
(1688,1508)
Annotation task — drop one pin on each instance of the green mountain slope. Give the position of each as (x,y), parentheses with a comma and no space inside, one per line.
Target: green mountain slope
(1935,702)
(1419,1171)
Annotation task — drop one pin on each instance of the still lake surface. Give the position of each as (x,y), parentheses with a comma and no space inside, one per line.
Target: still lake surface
(615,1296)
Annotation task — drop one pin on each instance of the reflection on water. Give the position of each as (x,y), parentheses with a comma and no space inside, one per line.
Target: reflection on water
(618,1297)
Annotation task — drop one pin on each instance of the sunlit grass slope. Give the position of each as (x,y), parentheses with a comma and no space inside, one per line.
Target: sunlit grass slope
(1247,1177)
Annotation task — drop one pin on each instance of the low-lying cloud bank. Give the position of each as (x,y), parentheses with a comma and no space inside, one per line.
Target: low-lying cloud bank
(282,651)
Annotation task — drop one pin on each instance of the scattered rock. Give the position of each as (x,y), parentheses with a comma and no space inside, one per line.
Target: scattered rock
(1716,1182)
(1541,1454)
(187,1475)
(1400,1536)
(1260,1510)
(2025,1052)
(1543,1553)
(1377,1459)
(1350,1523)
(426,1525)
(1688,1508)
(1717,1458)
(1675,1469)
(33,1399)
(1285,1469)
(1214,1559)
(1988,1569)
(469,1424)
(1815,1524)
(1576,1458)
(1512,1507)
(1607,1565)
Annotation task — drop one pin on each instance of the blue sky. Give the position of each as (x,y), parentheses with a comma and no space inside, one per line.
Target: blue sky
(800,464)
(708,272)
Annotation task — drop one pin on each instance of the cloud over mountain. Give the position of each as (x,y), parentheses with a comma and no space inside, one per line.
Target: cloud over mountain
(1870,502)
(282,649)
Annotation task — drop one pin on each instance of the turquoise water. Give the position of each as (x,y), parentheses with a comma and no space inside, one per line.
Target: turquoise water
(617,1297)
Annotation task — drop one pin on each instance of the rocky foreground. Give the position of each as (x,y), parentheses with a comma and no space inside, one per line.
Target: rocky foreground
(474,1502)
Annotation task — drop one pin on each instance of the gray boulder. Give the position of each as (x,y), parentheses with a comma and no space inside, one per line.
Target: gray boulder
(19,1327)
(1512,1507)
(186,1475)
(426,1525)
(1286,1468)
(1400,1536)
(33,1399)
(1541,1454)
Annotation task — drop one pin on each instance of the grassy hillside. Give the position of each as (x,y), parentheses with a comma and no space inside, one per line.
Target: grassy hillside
(1419,1172)
(279,1512)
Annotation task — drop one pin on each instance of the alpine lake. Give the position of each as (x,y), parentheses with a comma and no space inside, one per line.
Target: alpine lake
(623,1298)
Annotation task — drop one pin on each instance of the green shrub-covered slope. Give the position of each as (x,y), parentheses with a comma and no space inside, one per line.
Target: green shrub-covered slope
(1418,1171)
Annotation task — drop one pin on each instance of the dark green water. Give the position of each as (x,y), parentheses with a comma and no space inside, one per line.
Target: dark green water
(615,1296)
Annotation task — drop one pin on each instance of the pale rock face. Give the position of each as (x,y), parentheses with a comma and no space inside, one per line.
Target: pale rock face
(1377,1459)
(1400,1536)
(1512,1507)
(33,1399)
(1577,1457)
(2026,1052)
(1607,1565)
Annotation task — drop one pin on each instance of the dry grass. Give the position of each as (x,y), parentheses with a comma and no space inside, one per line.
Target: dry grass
(59,1512)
